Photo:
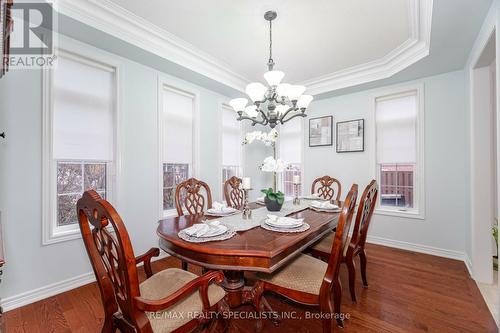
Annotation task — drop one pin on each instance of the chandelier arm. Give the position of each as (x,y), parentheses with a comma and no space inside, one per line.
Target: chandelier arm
(301,114)
(263,115)
(287,112)
(251,119)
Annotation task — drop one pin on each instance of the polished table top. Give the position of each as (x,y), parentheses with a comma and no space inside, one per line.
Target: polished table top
(257,249)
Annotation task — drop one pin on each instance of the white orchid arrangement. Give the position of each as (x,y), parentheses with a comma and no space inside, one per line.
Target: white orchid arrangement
(267,138)
(273,165)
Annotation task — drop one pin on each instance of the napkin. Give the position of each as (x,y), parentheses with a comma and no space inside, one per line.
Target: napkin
(283,220)
(202,229)
(220,208)
(324,205)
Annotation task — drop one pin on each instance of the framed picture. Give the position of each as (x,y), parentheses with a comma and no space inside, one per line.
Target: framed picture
(321,131)
(351,136)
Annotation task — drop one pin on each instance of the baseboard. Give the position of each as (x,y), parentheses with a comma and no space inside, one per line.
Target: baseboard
(16,301)
(31,296)
(468,264)
(435,251)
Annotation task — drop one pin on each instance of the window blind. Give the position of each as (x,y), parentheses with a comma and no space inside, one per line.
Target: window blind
(231,137)
(178,109)
(83,110)
(290,141)
(396,126)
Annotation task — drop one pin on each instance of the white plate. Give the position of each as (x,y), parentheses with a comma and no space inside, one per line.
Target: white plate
(215,231)
(284,226)
(215,212)
(311,197)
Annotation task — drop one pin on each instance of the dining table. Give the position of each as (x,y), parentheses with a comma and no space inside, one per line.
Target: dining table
(253,250)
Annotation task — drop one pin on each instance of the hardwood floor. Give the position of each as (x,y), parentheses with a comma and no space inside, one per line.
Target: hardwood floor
(408,292)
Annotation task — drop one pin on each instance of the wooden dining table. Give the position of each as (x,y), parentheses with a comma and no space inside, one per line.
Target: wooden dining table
(254,250)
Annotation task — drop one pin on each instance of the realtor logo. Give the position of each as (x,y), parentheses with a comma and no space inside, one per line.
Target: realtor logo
(32,39)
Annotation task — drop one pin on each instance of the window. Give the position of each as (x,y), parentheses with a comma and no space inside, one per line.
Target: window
(399,170)
(177,139)
(79,134)
(290,142)
(231,146)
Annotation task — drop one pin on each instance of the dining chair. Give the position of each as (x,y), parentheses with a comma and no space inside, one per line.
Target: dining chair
(154,305)
(189,197)
(233,192)
(310,281)
(356,241)
(324,187)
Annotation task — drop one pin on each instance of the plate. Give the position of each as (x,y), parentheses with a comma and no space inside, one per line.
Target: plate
(214,212)
(221,229)
(284,226)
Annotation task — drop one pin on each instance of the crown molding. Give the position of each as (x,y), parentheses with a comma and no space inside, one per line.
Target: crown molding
(121,23)
(415,48)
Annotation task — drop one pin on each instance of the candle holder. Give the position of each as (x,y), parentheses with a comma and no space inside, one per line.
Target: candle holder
(247,212)
(296,200)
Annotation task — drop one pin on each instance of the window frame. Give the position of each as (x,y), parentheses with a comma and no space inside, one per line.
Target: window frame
(222,105)
(184,88)
(418,212)
(302,163)
(76,51)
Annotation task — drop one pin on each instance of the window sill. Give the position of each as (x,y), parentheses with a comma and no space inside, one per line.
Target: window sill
(62,236)
(400,213)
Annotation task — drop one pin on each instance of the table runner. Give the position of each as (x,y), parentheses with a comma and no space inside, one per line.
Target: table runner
(237,223)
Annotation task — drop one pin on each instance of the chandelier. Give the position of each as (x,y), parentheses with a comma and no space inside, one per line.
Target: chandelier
(276,103)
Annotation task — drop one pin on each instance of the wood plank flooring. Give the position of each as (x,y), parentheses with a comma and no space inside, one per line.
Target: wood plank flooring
(408,292)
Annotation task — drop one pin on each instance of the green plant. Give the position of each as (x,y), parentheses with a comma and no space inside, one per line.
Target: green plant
(279,197)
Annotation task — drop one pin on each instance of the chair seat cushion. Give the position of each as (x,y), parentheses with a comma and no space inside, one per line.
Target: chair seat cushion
(165,283)
(303,274)
(325,244)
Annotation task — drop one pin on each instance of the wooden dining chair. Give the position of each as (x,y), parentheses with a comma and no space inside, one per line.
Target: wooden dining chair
(356,242)
(189,197)
(310,281)
(159,304)
(233,192)
(324,187)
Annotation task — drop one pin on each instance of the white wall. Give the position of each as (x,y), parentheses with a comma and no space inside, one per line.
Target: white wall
(446,171)
(31,265)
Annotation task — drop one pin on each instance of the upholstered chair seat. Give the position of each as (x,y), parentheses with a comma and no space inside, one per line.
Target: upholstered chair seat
(167,282)
(325,244)
(303,274)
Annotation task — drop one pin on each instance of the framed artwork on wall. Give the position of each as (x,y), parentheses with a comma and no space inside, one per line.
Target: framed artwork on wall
(351,136)
(321,131)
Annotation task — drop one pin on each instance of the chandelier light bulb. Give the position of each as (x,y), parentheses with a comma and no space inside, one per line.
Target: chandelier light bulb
(304,101)
(256,91)
(274,78)
(251,111)
(238,104)
(295,91)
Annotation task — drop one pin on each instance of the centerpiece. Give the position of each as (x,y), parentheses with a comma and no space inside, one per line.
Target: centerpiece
(272,198)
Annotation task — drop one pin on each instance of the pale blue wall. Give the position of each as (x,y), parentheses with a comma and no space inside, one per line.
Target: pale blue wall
(446,162)
(31,265)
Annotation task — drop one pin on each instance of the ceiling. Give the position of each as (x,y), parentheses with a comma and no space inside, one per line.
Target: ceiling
(326,44)
(310,38)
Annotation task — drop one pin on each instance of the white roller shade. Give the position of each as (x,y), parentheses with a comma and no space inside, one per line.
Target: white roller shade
(231,138)
(178,109)
(290,141)
(83,110)
(396,125)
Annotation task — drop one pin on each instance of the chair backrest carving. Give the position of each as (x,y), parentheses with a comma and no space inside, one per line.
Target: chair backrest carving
(189,196)
(340,237)
(324,187)
(112,257)
(233,193)
(365,212)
